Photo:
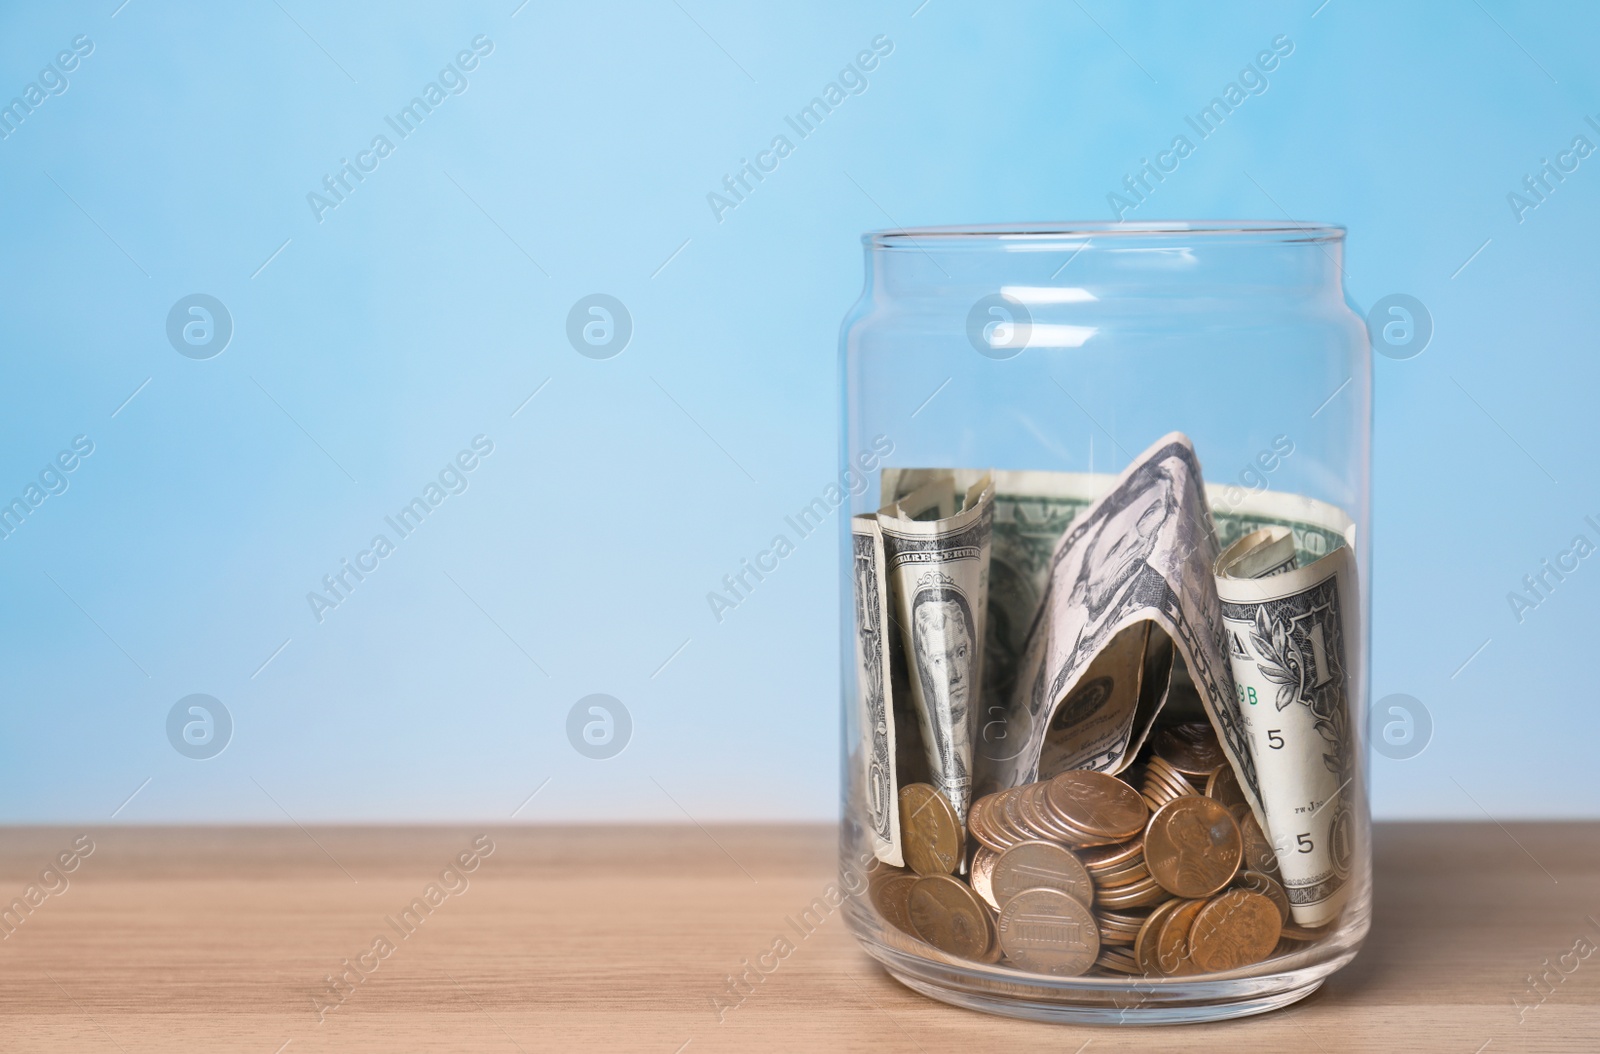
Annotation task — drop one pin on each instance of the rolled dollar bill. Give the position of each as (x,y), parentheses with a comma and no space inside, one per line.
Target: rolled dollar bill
(1032,510)
(1262,553)
(1292,633)
(873,665)
(936,548)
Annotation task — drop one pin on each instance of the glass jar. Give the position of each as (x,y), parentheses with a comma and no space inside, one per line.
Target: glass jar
(1044,642)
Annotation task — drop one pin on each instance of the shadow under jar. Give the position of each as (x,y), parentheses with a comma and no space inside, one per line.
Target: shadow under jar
(1104,640)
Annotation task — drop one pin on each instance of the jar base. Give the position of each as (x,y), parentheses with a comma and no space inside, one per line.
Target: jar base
(1136,1014)
(1003,990)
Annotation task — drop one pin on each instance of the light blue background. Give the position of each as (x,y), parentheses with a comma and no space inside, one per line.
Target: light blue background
(430,304)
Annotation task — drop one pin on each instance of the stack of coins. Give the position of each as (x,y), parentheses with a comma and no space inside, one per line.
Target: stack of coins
(1083,872)
(1119,927)
(1128,885)
(1162,783)
(1077,809)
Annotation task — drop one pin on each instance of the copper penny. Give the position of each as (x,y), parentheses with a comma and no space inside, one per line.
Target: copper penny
(1267,886)
(1223,785)
(1258,853)
(890,896)
(1046,931)
(1102,806)
(1036,865)
(948,915)
(981,874)
(976,822)
(1233,930)
(1172,939)
(929,831)
(1193,846)
(1144,944)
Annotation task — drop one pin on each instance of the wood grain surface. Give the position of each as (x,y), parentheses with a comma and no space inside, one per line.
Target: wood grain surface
(618,938)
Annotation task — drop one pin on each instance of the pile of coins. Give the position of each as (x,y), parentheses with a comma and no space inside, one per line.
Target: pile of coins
(1084,872)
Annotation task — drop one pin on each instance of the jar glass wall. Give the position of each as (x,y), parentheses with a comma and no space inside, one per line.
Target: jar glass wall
(1110,508)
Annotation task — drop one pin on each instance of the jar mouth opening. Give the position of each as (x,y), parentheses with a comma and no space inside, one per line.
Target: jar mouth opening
(950,237)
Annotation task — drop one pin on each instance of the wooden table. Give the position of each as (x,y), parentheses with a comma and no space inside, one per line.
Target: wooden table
(618,938)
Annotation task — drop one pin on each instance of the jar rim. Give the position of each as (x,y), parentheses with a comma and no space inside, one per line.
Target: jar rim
(951,236)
